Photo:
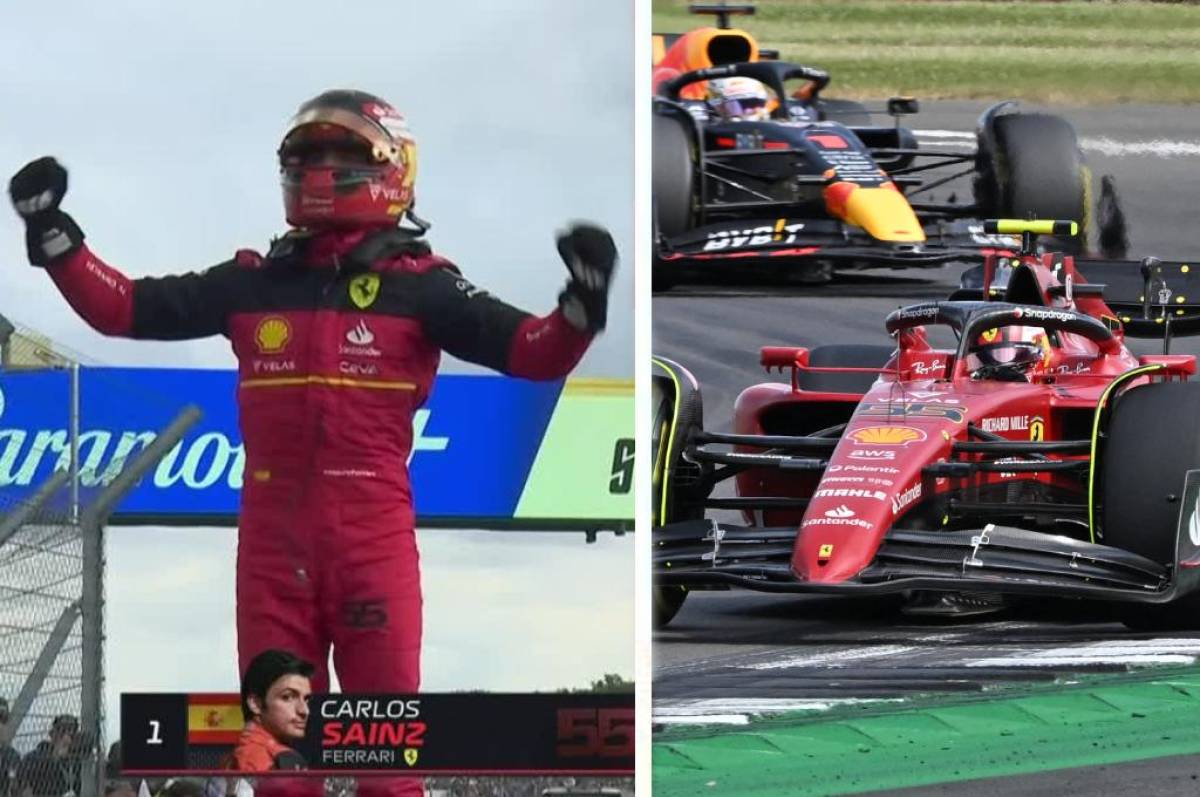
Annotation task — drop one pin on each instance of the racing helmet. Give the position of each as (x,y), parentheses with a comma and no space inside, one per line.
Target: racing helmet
(347,159)
(738,99)
(1012,349)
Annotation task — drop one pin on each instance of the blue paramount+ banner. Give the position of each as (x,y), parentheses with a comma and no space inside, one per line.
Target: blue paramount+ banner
(476,442)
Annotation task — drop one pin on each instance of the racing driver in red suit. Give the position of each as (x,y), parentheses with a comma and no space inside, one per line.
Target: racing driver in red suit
(338,330)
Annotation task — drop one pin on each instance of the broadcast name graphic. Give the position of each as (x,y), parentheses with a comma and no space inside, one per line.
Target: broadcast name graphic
(379,732)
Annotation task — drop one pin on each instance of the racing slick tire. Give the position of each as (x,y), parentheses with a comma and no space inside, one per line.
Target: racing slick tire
(678,411)
(673,175)
(844,356)
(673,190)
(1144,462)
(1038,172)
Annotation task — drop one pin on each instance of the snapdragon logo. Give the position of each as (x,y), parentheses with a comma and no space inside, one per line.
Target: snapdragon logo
(212,459)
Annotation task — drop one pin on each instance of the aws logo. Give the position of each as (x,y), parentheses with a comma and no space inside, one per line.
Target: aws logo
(272,334)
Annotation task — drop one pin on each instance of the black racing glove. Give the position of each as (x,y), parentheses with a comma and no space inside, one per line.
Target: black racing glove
(591,257)
(36,192)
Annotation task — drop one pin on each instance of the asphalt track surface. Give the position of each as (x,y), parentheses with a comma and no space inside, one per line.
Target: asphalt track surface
(732,654)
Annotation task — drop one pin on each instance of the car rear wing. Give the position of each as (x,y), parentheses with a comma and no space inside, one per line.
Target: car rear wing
(1152,298)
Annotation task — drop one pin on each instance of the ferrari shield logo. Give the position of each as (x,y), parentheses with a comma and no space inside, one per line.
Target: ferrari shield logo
(364,290)
(410,756)
(1037,429)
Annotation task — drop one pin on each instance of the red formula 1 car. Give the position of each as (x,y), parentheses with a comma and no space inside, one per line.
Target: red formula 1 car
(1034,454)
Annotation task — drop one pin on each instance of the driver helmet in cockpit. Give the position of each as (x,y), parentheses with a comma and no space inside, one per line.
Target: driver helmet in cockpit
(738,99)
(1007,352)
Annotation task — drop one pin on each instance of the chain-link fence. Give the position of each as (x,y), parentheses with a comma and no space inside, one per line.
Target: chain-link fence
(41,589)
(54,500)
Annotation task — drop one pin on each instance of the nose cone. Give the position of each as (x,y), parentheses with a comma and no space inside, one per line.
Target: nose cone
(882,211)
(873,477)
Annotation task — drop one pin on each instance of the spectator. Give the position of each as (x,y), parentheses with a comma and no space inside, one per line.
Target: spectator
(10,759)
(182,788)
(50,770)
(115,785)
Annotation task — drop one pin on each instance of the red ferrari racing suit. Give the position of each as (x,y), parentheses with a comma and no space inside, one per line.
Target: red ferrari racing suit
(337,337)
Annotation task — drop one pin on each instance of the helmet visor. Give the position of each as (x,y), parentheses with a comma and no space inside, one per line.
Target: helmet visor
(744,106)
(384,145)
(325,145)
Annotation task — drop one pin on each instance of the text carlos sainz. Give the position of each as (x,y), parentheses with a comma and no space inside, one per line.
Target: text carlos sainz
(371,732)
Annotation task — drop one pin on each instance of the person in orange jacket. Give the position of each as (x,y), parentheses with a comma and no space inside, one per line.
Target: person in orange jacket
(275,693)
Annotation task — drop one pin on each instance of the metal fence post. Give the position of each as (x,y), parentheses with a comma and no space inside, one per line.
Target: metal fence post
(6,331)
(91,526)
(74,435)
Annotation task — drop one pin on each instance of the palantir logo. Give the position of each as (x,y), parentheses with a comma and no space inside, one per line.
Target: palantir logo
(361,334)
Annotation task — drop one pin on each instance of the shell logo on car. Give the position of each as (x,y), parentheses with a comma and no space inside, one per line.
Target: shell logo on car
(887,435)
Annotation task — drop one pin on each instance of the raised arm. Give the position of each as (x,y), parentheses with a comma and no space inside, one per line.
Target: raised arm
(168,308)
(473,325)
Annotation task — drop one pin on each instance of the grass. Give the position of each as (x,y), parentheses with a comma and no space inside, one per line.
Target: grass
(1077,52)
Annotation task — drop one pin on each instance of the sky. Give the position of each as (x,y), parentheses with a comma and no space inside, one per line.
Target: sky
(168,122)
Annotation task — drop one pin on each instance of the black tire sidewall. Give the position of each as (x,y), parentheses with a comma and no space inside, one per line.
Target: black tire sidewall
(1039,172)
(673,175)
(1153,440)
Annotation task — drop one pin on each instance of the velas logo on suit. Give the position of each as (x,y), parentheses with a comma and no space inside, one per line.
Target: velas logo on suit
(272,334)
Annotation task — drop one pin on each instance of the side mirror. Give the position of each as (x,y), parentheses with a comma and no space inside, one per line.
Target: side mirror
(902,106)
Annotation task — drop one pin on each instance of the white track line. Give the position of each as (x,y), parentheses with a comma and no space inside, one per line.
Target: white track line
(945,134)
(709,719)
(1070,660)
(1103,145)
(1131,651)
(730,711)
(1159,148)
(834,658)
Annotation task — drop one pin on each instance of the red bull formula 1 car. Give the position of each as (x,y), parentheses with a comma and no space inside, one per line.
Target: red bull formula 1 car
(1034,453)
(816,186)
